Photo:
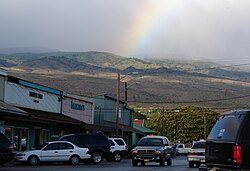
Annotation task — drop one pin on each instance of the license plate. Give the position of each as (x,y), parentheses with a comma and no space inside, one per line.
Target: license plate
(146,160)
(214,169)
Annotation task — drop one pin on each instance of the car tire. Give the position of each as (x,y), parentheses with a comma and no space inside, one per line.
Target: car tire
(191,164)
(162,161)
(117,156)
(134,162)
(74,160)
(97,157)
(33,160)
(169,161)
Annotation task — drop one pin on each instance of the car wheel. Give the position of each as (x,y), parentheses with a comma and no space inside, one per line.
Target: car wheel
(169,161)
(117,157)
(33,160)
(96,157)
(191,164)
(162,161)
(134,162)
(74,159)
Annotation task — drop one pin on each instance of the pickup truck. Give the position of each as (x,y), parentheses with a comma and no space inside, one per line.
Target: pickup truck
(181,149)
(152,149)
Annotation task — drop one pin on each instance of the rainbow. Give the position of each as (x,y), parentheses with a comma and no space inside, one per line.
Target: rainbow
(145,26)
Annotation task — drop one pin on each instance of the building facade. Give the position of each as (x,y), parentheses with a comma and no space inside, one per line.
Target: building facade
(105,115)
(42,120)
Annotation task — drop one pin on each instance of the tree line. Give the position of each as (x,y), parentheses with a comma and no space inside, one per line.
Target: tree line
(182,124)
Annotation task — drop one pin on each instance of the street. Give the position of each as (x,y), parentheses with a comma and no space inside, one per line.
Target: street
(179,164)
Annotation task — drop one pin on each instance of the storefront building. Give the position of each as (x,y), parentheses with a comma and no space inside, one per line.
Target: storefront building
(105,115)
(42,105)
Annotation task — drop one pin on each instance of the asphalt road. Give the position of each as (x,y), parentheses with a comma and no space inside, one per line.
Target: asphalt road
(179,164)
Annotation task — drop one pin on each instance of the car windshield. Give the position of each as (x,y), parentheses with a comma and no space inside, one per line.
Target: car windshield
(227,127)
(41,146)
(150,142)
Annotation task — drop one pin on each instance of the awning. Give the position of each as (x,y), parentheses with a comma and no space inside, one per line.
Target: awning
(144,129)
(130,129)
(9,110)
(51,117)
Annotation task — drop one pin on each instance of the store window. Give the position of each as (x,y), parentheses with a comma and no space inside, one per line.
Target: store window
(18,137)
(46,136)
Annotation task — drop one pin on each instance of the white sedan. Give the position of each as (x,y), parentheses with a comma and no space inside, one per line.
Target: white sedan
(53,152)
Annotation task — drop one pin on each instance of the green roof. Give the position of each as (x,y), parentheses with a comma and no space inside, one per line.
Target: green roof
(144,129)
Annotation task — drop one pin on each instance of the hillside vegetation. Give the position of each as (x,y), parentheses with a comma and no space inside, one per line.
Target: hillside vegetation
(158,83)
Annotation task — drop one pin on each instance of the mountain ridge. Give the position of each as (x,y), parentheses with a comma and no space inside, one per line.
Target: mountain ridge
(173,82)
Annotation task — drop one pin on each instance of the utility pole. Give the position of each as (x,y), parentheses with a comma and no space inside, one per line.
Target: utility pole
(205,127)
(126,93)
(117,103)
(163,121)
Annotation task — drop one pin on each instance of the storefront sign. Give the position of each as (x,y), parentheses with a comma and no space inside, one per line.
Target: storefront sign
(77,106)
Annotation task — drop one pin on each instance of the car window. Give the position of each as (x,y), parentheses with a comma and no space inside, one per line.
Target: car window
(150,142)
(98,140)
(119,142)
(84,140)
(227,127)
(199,145)
(111,143)
(53,146)
(64,146)
(39,147)
(180,146)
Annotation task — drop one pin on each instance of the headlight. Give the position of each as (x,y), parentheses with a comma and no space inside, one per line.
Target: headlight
(157,152)
(134,152)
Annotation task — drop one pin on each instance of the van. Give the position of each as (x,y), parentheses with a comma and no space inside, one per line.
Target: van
(228,144)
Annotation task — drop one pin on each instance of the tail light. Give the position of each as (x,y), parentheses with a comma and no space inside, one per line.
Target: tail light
(238,154)
(11,147)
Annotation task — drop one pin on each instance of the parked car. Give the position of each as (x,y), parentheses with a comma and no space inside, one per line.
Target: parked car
(52,152)
(98,145)
(196,155)
(152,149)
(118,148)
(228,144)
(6,148)
(181,149)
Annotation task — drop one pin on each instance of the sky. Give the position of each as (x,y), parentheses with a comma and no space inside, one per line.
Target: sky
(217,30)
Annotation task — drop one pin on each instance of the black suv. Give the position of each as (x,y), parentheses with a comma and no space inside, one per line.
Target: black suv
(98,145)
(152,149)
(228,144)
(6,148)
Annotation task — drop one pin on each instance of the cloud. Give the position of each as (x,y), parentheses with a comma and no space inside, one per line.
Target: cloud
(195,29)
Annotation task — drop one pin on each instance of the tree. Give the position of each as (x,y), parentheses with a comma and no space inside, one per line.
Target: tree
(183,124)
